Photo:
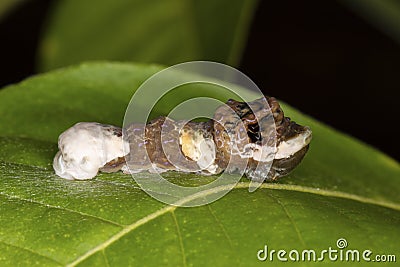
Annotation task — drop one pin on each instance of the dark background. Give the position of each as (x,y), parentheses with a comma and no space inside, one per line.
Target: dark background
(316,55)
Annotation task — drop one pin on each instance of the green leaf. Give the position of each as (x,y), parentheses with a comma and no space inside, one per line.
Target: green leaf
(384,14)
(342,189)
(167,32)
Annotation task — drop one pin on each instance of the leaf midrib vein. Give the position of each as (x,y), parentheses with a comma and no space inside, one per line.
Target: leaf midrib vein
(241,185)
(238,41)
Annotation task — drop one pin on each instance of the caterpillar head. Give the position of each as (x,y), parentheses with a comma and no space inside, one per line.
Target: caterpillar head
(259,132)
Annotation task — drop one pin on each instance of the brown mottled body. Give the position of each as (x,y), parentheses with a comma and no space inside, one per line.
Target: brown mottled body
(255,138)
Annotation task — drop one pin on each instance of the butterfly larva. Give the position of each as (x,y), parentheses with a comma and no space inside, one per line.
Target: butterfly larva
(237,131)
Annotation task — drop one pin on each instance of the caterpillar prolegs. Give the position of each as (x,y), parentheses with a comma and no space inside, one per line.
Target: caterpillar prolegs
(254,138)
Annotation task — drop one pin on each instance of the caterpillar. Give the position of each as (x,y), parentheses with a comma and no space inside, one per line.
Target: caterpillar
(254,138)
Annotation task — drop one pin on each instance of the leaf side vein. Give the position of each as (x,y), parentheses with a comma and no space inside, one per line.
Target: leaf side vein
(31,251)
(221,226)
(296,228)
(60,208)
(180,238)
